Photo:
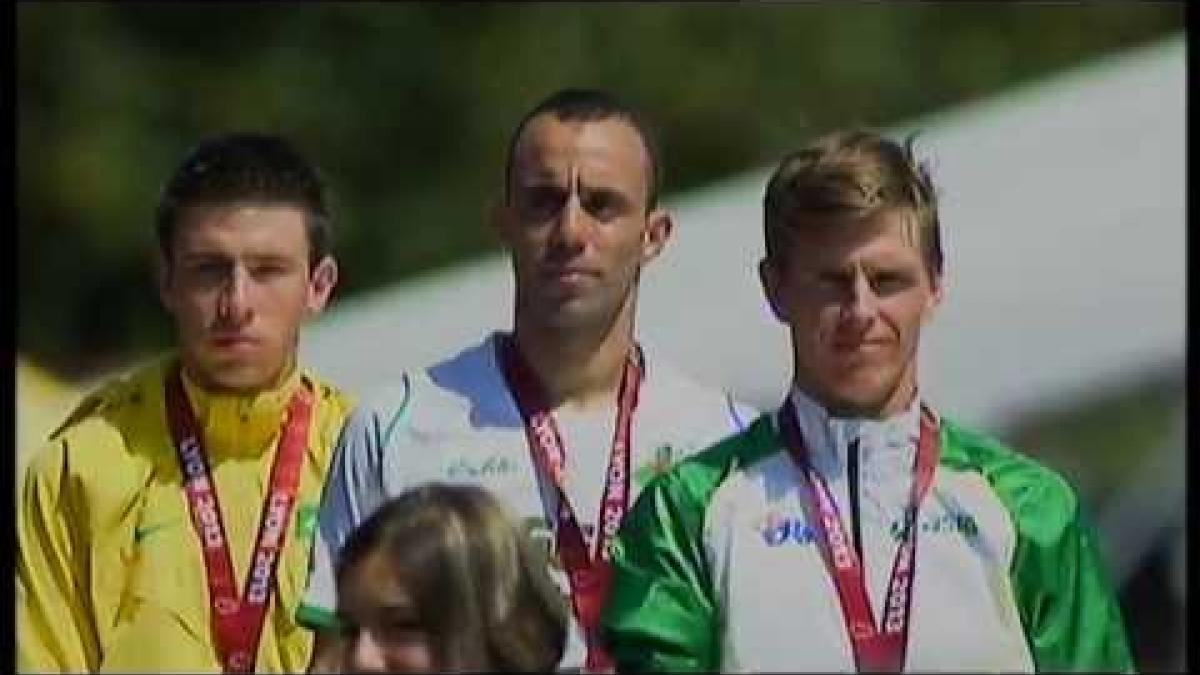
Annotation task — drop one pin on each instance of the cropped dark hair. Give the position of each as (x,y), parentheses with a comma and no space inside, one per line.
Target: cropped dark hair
(243,167)
(591,105)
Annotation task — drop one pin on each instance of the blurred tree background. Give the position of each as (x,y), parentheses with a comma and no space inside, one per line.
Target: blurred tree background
(407,107)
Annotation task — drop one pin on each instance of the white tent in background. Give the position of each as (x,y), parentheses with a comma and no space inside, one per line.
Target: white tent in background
(1062,205)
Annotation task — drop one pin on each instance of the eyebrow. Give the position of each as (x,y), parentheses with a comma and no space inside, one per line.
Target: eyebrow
(610,192)
(601,188)
(268,258)
(207,256)
(534,175)
(203,256)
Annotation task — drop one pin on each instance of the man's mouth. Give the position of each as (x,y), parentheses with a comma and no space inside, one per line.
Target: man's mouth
(858,348)
(568,275)
(233,341)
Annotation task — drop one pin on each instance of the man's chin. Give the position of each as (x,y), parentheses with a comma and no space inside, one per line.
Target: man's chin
(572,314)
(873,403)
(867,402)
(842,407)
(235,378)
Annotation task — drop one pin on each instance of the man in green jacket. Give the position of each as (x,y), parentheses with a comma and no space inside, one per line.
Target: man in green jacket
(856,529)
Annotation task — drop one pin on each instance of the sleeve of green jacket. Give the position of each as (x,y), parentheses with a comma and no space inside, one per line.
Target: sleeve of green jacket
(1071,615)
(661,615)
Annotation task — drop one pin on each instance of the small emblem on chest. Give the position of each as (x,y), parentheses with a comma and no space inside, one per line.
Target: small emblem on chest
(781,530)
(948,522)
(494,465)
(657,464)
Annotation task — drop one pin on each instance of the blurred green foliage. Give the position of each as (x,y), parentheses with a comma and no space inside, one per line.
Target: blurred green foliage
(407,107)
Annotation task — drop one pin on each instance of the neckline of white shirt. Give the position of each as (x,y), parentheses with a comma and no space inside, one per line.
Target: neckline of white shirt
(828,437)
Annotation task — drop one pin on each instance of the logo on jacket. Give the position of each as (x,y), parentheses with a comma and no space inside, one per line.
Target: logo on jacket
(495,465)
(306,520)
(658,464)
(950,522)
(779,530)
(141,531)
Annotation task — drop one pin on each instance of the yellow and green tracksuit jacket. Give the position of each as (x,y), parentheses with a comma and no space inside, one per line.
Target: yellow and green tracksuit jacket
(110,575)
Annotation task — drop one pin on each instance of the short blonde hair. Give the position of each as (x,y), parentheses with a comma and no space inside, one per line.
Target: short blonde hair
(857,172)
(481,589)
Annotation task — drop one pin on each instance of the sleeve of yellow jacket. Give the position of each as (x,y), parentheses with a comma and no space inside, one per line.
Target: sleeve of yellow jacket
(54,627)
(75,521)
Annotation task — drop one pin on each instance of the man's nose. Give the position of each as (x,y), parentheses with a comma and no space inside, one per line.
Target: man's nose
(859,302)
(571,230)
(233,303)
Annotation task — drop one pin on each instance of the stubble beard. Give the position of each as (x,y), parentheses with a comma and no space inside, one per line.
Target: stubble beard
(593,313)
(869,400)
(236,377)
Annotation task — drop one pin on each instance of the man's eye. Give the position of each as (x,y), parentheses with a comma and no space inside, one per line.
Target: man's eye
(832,281)
(890,283)
(268,271)
(540,202)
(603,205)
(207,271)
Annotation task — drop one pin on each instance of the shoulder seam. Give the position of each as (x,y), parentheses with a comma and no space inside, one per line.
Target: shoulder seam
(731,406)
(398,415)
(726,450)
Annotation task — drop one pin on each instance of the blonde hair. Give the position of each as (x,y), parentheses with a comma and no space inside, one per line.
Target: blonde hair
(481,589)
(856,172)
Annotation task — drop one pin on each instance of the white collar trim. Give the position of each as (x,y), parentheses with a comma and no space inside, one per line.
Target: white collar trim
(828,437)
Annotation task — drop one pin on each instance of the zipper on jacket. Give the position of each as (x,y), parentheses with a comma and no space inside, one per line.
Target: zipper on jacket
(855,520)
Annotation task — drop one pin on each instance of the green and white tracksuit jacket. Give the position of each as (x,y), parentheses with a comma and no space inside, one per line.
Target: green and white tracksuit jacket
(717,566)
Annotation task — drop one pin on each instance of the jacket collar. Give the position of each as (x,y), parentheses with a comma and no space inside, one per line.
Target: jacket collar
(240,425)
(828,438)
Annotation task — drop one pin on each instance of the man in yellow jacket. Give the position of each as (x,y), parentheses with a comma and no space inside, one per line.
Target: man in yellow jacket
(168,522)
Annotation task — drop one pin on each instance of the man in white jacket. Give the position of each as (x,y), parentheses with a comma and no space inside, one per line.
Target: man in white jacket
(566,416)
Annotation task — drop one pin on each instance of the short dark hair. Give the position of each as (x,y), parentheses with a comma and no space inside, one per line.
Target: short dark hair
(854,171)
(245,167)
(590,105)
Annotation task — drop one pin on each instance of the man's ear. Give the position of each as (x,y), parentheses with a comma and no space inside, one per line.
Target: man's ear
(498,216)
(659,226)
(162,280)
(320,285)
(768,275)
(937,293)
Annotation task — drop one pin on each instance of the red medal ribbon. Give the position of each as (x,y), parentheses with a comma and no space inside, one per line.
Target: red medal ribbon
(877,648)
(237,621)
(589,572)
